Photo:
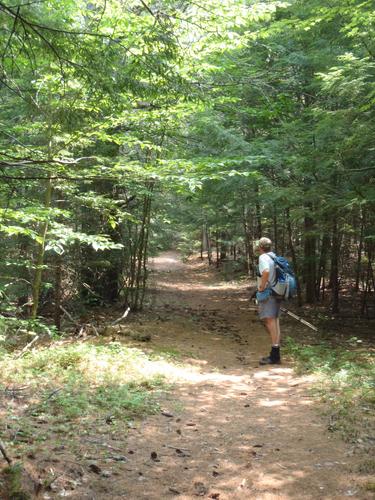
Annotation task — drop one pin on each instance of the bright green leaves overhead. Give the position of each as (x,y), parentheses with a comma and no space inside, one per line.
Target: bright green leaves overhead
(62,237)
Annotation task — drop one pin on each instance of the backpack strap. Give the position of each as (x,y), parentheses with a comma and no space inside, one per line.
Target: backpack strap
(275,263)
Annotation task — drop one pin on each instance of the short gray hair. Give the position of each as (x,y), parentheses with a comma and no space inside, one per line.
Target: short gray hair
(264,243)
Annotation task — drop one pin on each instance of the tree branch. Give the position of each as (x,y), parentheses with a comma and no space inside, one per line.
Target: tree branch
(5,8)
(24,162)
(11,33)
(147,8)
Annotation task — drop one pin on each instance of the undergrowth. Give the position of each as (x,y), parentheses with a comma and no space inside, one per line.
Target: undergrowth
(345,381)
(74,397)
(78,380)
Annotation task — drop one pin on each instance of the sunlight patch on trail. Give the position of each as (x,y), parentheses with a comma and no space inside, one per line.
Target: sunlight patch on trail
(197,286)
(168,261)
(189,374)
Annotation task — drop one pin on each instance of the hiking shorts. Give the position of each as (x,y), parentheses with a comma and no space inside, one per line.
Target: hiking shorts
(269,308)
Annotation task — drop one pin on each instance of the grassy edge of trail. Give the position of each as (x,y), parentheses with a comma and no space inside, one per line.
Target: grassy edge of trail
(74,393)
(344,380)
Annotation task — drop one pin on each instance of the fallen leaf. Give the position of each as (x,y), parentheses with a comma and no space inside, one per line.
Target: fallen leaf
(95,468)
(167,414)
(173,490)
(181,453)
(200,489)
(119,458)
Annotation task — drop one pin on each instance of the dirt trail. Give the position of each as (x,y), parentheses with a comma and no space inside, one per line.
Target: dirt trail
(230,429)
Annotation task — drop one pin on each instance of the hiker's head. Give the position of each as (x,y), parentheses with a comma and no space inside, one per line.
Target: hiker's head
(263,245)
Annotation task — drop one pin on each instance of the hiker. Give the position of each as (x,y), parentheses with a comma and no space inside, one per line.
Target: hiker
(268,304)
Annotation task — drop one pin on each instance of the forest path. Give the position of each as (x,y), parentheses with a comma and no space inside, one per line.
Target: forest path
(230,429)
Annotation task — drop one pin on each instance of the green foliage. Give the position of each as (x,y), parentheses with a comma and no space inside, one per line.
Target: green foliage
(101,379)
(13,477)
(256,117)
(370,486)
(121,402)
(345,380)
(13,330)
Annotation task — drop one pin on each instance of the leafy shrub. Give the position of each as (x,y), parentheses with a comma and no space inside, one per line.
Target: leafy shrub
(345,380)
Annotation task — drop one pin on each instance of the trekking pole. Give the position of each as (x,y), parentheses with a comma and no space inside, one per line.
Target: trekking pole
(286,311)
(298,318)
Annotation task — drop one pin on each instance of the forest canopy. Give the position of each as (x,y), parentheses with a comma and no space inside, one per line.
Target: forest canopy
(130,126)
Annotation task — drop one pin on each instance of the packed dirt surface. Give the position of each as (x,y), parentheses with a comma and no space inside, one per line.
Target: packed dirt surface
(229,429)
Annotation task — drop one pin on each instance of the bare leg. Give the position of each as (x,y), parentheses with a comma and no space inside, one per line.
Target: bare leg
(278,331)
(273,327)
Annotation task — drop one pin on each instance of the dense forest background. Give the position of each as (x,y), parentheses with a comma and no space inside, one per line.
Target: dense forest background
(129,127)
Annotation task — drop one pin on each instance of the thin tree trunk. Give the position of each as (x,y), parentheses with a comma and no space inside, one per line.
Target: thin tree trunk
(258,215)
(140,251)
(145,254)
(217,248)
(223,246)
(275,230)
(40,253)
(258,219)
(360,249)
(335,253)
(294,257)
(57,292)
(248,244)
(209,249)
(309,256)
(320,283)
(367,285)
(202,243)
(133,241)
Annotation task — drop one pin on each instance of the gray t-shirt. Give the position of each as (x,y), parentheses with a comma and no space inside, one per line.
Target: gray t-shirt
(266,263)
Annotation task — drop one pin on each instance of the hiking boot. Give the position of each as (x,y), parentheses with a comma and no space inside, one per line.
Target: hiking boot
(267,360)
(273,358)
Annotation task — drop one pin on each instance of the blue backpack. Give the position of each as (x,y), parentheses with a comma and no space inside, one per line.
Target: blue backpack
(285,284)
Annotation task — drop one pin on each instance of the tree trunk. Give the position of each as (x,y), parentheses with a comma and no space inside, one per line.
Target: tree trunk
(40,254)
(309,255)
(320,283)
(223,246)
(217,248)
(258,215)
(141,252)
(294,257)
(145,254)
(209,249)
(202,243)
(369,279)
(275,230)
(359,253)
(57,292)
(248,243)
(335,253)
